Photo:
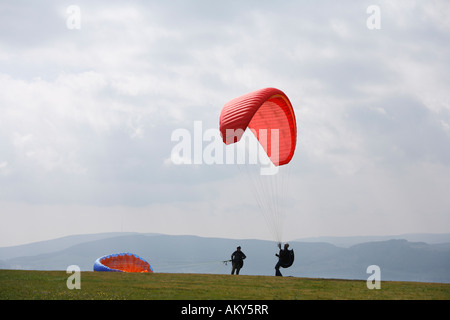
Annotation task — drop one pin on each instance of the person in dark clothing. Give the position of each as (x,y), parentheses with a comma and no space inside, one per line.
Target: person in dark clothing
(237,260)
(285,258)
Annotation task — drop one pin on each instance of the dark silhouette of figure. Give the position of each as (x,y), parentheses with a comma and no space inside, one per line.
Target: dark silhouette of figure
(285,258)
(237,260)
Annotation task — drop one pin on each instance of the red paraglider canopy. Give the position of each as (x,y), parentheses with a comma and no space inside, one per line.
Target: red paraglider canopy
(262,111)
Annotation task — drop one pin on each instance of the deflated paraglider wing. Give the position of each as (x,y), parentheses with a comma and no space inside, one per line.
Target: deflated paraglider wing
(122,262)
(262,111)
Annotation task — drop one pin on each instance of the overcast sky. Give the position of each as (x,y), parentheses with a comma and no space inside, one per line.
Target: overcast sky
(87,114)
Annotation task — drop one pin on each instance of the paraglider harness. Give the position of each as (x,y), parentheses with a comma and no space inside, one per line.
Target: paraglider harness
(290,259)
(286,258)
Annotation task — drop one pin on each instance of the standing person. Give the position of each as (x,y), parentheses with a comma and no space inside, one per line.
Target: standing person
(285,258)
(237,260)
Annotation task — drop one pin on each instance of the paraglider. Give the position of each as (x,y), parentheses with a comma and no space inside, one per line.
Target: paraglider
(285,258)
(269,115)
(122,262)
(263,111)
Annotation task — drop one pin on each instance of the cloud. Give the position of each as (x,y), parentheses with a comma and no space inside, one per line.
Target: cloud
(87,115)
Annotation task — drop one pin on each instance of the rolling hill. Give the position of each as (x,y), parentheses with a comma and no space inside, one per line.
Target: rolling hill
(398,259)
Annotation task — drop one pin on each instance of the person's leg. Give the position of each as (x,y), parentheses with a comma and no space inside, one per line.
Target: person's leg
(277,270)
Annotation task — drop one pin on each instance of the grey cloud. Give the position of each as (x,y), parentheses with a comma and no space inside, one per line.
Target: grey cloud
(400,130)
(87,115)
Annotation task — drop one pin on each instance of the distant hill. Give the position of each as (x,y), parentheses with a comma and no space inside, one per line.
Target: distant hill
(430,238)
(48,246)
(400,260)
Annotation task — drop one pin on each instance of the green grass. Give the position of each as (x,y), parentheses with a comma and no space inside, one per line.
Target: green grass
(20,284)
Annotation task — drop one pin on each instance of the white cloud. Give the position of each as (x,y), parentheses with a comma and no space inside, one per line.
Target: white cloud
(95,108)
(4,169)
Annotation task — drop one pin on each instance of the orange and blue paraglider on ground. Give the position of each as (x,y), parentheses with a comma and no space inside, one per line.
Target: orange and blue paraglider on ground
(122,262)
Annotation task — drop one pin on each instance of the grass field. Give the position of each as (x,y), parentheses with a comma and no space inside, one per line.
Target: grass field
(51,285)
